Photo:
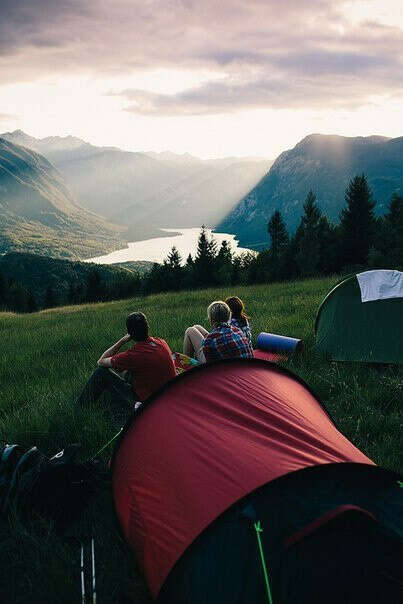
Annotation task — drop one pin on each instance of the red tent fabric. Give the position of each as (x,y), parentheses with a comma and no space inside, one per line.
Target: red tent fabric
(207,439)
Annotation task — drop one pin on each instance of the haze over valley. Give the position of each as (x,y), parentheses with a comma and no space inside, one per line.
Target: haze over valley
(67,198)
(144,192)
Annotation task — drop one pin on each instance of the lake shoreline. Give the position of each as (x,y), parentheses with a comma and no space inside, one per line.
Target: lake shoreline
(156,249)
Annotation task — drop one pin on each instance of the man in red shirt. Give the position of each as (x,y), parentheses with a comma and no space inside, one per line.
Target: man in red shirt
(149,363)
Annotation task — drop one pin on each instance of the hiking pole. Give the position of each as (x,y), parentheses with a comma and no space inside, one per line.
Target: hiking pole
(94,592)
(82,574)
(82,567)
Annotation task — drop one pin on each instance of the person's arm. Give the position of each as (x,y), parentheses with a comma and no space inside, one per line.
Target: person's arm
(105,358)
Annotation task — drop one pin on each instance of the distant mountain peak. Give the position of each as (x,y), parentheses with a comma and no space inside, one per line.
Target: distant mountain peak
(48,143)
(324,163)
(335,138)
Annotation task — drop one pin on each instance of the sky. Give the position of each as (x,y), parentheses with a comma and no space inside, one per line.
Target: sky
(208,77)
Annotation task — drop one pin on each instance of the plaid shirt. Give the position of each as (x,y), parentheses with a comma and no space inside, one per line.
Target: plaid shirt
(243,326)
(225,342)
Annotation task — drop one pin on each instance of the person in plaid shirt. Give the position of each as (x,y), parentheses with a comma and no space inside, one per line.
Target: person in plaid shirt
(224,341)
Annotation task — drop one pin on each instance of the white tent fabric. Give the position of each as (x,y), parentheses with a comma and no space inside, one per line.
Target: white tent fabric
(380,285)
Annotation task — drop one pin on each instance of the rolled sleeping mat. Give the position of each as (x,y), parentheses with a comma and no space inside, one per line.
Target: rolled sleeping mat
(272,342)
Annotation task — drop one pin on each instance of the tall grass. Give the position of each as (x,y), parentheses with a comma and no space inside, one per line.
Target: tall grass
(46,359)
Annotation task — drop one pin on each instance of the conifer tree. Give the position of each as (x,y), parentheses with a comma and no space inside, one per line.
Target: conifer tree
(153,281)
(309,237)
(172,272)
(394,232)
(278,234)
(174,259)
(204,264)
(274,268)
(357,223)
(224,263)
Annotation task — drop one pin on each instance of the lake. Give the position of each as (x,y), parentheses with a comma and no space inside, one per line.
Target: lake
(157,249)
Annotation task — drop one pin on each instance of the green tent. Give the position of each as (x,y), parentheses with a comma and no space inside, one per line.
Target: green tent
(361,319)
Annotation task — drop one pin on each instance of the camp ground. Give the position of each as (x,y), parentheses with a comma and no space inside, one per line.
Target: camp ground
(260,497)
(231,484)
(361,319)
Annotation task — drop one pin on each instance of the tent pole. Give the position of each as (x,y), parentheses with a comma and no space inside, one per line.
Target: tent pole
(259,529)
(106,445)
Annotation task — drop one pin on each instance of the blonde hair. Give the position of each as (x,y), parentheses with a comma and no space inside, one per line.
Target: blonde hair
(218,312)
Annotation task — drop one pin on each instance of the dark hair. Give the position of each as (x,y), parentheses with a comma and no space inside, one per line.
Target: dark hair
(237,308)
(137,326)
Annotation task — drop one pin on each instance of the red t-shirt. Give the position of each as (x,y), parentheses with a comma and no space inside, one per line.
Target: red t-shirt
(151,363)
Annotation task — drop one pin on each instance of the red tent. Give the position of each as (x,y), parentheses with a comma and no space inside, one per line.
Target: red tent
(207,440)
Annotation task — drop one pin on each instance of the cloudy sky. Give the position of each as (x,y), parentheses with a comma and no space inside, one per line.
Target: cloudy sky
(208,77)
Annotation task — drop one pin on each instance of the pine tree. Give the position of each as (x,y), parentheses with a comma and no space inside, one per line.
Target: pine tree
(278,234)
(153,281)
(276,228)
(172,271)
(394,232)
(174,259)
(188,279)
(357,223)
(224,264)
(329,259)
(204,264)
(309,239)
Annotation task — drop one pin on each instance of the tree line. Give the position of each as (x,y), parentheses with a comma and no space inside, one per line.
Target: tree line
(93,288)
(359,241)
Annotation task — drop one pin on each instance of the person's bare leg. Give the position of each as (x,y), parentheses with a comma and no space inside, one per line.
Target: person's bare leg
(192,342)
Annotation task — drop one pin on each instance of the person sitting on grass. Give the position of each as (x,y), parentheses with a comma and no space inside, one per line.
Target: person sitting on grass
(148,362)
(238,317)
(224,341)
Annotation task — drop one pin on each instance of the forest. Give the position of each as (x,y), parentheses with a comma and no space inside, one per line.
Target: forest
(359,241)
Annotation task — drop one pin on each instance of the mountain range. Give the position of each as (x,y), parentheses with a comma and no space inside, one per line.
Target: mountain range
(147,191)
(67,198)
(325,164)
(39,214)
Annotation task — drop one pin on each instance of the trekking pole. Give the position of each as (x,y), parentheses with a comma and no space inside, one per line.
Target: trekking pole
(82,573)
(82,568)
(94,592)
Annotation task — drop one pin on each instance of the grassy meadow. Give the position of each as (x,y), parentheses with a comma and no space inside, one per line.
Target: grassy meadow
(46,358)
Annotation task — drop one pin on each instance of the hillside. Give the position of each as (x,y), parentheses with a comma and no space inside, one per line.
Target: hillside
(324,164)
(46,358)
(38,273)
(39,214)
(144,191)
